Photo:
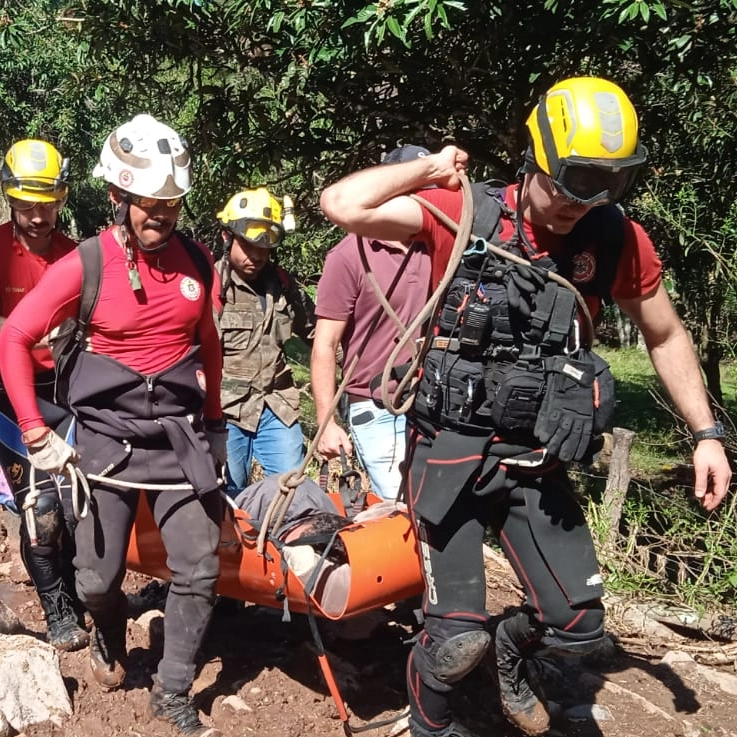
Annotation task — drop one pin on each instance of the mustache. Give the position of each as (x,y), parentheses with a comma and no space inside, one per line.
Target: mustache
(159,224)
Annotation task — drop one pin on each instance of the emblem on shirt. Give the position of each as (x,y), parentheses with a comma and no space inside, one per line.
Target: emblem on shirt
(190,288)
(125,178)
(584,267)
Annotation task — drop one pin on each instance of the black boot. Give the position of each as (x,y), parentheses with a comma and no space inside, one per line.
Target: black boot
(108,654)
(178,710)
(62,625)
(452,730)
(516,641)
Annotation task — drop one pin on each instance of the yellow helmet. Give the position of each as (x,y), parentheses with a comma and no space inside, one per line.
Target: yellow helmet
(584,135)
(256,215)
(34,171)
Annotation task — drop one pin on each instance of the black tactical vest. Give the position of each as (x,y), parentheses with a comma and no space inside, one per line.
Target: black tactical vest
(501,324)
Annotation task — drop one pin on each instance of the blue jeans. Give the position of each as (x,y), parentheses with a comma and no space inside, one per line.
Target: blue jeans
(275,446)
(379,442)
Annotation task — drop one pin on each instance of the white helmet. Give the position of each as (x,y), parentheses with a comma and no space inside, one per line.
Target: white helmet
(146,158)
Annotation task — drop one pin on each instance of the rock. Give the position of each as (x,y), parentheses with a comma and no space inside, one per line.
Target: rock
(236,703)
(152,623)
(9,622)
(588,712)
(32,690)
(684,663)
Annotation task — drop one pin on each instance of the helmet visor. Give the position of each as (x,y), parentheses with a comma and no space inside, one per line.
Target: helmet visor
(35,190)
(28,205)
(263,233)
(598,181)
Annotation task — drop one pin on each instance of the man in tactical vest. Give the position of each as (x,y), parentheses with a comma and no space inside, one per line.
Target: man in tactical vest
(260,307)
(510,390)
(35,181)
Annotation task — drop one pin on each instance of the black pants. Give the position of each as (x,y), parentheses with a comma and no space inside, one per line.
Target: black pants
(190,530)
(456,490)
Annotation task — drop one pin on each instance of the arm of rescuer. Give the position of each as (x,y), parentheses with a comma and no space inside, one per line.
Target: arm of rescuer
(45,307)
(373,203)
(210,349)
(675,361)
(323,366)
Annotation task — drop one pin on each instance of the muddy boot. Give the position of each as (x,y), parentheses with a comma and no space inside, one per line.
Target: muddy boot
(107,647)
(178,710)
(62,622)
(517,640)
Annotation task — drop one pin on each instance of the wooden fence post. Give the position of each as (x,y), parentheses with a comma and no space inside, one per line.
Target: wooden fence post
(618,480)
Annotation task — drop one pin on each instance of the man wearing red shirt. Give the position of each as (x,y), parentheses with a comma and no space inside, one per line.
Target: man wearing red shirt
(508,390)
(35,183)
(146,396)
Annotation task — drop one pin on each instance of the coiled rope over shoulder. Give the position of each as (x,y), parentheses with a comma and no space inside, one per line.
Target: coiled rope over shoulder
(409,383)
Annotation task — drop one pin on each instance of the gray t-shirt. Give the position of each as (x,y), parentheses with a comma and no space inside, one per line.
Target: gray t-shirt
(308,499)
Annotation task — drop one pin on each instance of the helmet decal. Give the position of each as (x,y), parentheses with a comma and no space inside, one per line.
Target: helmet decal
(125,178)
(611,122)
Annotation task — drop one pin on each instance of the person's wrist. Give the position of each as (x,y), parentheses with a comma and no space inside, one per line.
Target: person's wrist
(216,425)
(34,435)
(715,432)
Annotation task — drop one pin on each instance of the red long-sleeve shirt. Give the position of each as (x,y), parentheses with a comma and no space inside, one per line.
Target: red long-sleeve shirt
(20,271)
(148,330)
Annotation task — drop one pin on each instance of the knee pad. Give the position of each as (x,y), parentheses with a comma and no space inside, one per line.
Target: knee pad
(48,516)
(459,655)
(443,663)
(569,644)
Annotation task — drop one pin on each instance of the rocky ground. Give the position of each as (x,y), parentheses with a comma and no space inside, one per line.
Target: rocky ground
(260,676)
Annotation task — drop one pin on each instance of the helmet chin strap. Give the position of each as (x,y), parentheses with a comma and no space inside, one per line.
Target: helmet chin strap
(155,249)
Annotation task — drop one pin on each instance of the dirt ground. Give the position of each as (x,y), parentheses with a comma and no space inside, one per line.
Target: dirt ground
(260,676)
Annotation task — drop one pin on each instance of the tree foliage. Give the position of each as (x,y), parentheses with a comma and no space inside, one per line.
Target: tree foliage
(295,93)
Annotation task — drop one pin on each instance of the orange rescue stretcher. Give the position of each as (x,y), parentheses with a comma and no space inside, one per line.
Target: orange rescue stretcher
(383,562)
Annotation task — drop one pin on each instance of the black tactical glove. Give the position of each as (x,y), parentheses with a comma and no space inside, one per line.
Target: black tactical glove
(523,283)
(566,419)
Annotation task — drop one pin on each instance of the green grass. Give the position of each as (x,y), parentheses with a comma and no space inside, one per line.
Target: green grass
(660,441)
(666,545)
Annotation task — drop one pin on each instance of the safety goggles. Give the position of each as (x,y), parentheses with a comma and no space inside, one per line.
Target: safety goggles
(594,182)
(263,233)
(42,186)
(27,205)
(148,203)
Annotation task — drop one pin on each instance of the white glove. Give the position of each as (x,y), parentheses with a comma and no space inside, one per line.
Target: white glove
(51,453)
(216,433)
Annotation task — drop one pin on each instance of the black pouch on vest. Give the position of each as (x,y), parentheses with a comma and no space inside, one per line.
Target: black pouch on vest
(516,391)
(451,313)
(451,390)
